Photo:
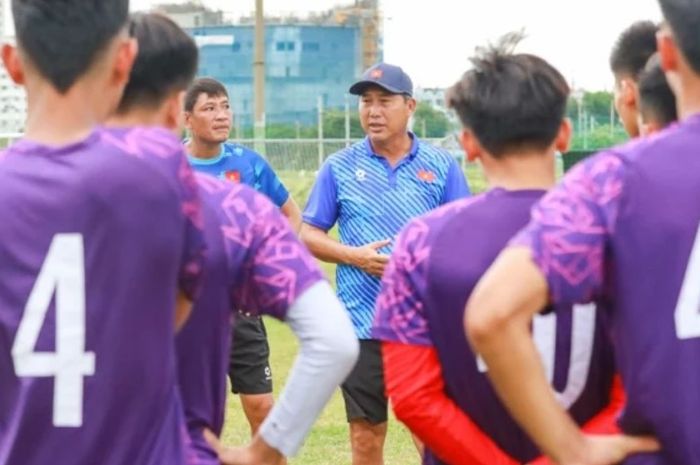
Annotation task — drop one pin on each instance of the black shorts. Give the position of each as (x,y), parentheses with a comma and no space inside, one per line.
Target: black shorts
(363,391)
(249,368)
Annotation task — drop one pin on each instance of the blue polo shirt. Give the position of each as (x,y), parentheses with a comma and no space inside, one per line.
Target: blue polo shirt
(372,201)
(237,163)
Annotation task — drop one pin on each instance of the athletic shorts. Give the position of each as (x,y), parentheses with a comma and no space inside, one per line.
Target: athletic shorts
(363,391)
(249,368)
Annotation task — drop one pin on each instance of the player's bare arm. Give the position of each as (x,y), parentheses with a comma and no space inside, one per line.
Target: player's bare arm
(497,323)
(327,249)
(291,211)
(257,453)
(183,308)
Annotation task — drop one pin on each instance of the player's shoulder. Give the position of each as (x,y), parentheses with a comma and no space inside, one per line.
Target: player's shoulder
(433,153)
(434,222)
(625,156)
(215,187)
(233,198)
(348,154)
(141,141)
(236,150)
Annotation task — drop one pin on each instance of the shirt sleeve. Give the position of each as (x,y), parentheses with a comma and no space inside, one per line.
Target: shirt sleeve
(165,153)
(193,254)
(321,208)
(327,353)
(269,183)
(415,386)
(400,315)
(570,228)
(269,266)
(456,186)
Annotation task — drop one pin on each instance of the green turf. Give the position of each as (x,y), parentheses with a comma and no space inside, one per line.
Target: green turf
(328,443)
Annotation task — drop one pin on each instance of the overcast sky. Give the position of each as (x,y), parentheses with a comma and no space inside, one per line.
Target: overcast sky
(433,39)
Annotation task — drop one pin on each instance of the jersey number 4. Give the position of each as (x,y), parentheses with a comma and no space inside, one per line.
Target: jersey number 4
(62,274)
(687,313)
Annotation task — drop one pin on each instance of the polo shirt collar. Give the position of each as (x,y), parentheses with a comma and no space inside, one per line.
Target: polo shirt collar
(415,145)
(208,161)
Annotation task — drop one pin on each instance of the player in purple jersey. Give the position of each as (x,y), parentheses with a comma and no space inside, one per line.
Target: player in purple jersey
(100,232)
(512,107)
(623,229)
(629,55)
(657,104)
(254,262)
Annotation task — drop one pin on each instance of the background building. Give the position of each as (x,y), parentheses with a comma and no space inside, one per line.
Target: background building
(306,59)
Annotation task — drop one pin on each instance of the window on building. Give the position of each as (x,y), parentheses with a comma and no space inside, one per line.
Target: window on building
(288,71)
(236,46)
(280,46)
(290,46)
(197,21)
(311,46)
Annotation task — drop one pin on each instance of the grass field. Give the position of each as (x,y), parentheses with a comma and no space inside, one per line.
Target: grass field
(328,443)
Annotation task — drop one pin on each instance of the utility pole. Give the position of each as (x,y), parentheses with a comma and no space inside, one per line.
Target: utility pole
(259,75)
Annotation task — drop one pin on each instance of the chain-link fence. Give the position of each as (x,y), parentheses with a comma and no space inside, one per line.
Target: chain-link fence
(309,154)
(303,157)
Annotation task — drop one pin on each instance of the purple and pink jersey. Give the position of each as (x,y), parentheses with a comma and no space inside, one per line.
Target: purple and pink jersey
(96,239)
(255,264)
(437,262)
(622,228)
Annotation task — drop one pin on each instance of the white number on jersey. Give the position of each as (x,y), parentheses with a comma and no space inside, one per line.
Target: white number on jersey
(62,274)
(582,337)
(687,314)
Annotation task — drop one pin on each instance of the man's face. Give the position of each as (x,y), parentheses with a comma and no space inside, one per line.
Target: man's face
(384,115)
(211,118)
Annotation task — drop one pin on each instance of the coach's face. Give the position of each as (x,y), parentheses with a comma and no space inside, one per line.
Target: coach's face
(210,118)
(384,115)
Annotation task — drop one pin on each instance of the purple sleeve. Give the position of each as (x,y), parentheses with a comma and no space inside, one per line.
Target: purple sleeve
(162,150)
(270,268)
(571,226)
(193,252)
(400,315)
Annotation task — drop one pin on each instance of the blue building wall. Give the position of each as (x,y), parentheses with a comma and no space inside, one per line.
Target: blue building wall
(302,63)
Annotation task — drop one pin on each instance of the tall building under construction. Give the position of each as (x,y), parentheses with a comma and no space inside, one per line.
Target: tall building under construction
(317,56)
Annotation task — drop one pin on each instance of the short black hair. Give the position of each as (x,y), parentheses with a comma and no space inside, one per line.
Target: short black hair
(633,48)
(63,38)
(206,85)
(656,100)
(167,61)
(683,16)
(510,101)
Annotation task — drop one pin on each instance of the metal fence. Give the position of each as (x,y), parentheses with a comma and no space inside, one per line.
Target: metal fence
(307,155)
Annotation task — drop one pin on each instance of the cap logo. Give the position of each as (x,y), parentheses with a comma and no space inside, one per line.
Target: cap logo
(376,74)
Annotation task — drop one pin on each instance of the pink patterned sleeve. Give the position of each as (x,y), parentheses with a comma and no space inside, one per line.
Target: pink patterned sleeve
(270,267)
(400,315)
(570,228)
(162,150)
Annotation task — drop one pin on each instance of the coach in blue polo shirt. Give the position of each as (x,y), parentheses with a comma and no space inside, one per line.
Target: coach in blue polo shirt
(372,189)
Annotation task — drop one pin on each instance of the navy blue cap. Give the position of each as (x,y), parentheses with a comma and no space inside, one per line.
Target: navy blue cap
(389,77)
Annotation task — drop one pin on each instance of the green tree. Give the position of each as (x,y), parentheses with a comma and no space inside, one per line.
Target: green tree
(334,125)
(435,122)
